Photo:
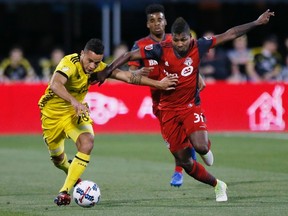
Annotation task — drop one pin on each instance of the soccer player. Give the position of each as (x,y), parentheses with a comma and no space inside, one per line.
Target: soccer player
(180,108)
(64,115)
(156,23)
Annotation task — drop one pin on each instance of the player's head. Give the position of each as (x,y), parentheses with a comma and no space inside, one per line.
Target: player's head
(92,55)
(181,35)
(156,21)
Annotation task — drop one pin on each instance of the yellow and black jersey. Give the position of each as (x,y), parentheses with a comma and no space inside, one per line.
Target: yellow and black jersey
(77,85)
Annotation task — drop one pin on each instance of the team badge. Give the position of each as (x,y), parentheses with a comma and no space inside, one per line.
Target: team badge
(188,61)
(166,63)
(65,68)
(208,37)
(149,47)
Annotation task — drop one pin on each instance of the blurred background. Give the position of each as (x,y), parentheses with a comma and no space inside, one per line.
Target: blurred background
(36,34)
(39,25)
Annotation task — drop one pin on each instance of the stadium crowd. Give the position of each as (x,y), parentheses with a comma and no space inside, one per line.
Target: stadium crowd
(237,64)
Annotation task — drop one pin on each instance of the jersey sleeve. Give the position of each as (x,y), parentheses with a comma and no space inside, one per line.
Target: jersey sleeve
(66,67)
(204,44)
(152,51)
(135,63)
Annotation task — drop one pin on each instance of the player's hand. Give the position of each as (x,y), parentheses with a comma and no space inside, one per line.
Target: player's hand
(168,83)
(81,109)
(265,17)
(99,77)
(144,71)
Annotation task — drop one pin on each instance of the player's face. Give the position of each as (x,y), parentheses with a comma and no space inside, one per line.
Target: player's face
(90,60)
(156,23)
(181,43)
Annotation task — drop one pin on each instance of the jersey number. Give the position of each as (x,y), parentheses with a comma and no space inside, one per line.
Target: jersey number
(198,118)
(82,118)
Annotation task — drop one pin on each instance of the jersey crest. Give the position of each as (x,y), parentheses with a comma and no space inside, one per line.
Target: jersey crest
(149,47)
(188,61)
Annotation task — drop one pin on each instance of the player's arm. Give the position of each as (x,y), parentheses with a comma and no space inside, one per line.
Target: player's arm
(135,77)
(201,83)
(237,31)
(57,85)
(128,56)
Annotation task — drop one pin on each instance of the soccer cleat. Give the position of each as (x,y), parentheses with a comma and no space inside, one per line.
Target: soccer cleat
(63,198)
(208,158)
(177,179)
(220,191)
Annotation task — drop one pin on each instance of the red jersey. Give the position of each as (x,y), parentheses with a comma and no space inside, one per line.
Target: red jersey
(185,68)
(141,43)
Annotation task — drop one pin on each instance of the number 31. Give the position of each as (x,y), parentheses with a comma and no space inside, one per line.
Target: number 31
(198,118)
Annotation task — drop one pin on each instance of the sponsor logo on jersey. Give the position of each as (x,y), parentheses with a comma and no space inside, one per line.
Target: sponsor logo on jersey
(171,74)
(149,47)
(187,71)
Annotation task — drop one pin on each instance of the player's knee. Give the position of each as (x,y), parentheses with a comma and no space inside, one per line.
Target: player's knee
(85,143)
(186,164)
(86,147)
(57,160)
(202,149)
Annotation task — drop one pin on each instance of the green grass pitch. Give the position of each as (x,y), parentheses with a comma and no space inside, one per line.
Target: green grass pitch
(133,172)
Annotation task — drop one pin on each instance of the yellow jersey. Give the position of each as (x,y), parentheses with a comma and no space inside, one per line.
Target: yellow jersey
(52,105)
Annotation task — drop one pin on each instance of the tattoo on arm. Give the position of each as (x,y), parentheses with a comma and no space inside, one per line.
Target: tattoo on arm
(135,78)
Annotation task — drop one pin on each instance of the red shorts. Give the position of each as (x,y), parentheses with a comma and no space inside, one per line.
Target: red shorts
(176,126)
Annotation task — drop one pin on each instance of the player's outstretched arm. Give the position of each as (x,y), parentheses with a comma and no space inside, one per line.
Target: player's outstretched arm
(101,76)
(237,31)
(135,77)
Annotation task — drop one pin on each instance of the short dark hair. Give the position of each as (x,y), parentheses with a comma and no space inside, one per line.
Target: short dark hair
(179,26)
(95,45)
(154,8)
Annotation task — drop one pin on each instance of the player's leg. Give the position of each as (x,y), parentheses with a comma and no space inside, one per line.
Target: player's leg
(202,146)
(79,163)
(196,129)
(177,177)
(54,138)
(59,159)
(81,132)
(177,138)
(197,133)
(193,154)
(198,172)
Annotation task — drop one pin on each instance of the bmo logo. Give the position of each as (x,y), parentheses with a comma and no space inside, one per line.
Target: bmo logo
(186,71)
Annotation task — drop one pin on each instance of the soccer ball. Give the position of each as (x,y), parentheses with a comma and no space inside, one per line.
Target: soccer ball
(86,194)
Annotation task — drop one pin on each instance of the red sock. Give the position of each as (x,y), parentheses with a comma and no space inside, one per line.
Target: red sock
(178,169)
(200,173)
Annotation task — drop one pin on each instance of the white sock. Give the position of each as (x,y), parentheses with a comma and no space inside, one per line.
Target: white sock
(208,158)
